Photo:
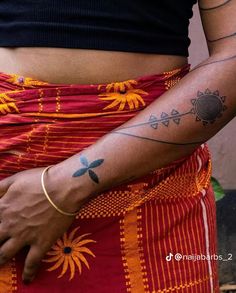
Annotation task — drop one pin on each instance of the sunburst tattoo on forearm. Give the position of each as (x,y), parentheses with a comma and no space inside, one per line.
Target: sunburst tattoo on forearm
(87,168)
(207,107)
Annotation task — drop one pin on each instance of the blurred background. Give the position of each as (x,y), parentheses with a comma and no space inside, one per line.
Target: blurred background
(223,147)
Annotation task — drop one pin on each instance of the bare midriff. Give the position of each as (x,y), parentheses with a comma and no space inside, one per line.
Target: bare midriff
(80,66)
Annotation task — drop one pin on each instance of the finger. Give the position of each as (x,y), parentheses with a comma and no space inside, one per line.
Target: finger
(4,235)
(9,249)
(32,264)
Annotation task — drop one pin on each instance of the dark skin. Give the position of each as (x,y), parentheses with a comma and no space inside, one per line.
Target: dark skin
(27,218)
(23,220)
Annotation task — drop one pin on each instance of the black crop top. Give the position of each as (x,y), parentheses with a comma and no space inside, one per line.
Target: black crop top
(149,26)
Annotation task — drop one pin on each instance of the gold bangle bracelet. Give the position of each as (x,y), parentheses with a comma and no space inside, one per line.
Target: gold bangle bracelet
(49,199)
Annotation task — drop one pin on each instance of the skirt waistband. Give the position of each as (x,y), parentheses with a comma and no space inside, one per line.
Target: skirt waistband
(42,124)
(39,100)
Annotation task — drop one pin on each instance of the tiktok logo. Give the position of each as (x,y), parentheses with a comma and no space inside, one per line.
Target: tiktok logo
(169,257)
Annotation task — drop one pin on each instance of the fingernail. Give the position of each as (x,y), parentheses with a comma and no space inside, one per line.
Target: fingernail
(27,281)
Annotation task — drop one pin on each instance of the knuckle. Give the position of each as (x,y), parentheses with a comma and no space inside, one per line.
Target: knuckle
(3,207)
(7,224)
(3,230)
(3,257)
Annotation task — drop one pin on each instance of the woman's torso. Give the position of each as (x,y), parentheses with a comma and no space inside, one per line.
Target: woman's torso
(82,66)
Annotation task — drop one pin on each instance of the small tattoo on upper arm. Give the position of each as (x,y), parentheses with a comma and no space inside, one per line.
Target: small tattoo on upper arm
(214,7)
(222,38)
(87,168)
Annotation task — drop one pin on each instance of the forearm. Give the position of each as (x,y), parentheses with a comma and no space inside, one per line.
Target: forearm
(168,129)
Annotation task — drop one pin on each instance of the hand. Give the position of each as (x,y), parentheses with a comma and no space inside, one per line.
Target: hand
(27,218)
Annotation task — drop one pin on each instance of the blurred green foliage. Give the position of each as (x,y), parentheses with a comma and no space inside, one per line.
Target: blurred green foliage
(218,190)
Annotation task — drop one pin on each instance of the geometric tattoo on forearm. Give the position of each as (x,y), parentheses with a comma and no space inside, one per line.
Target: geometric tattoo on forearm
(207,107)
(87,168)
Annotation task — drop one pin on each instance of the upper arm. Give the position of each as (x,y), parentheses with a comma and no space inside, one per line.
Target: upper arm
(219,23)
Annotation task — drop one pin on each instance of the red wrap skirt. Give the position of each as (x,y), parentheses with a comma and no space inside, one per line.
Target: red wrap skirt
(156,234)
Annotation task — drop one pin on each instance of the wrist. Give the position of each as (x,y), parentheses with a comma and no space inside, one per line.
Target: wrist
(64,192)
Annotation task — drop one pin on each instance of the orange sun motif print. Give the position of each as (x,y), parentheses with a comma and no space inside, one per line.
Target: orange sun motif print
(119,86)
(25,81)
(68,252)
(7,104)
(123,93)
